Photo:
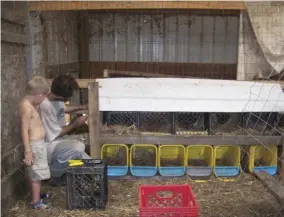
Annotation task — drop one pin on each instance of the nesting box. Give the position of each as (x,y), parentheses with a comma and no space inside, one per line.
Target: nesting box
(87,185)
(227,160)
(117,158)
(199,161)
(172,160)
(263,158)
(143,160)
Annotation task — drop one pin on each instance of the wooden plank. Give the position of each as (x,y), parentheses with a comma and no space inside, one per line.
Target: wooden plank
(189,140)
(12,17)
(118,5)
(83,83)
(194,70)
(54,70)
(110,73)
(84,44)
(272,185)
(94,120)
(14,38)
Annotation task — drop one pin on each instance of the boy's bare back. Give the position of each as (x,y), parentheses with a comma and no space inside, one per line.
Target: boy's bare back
(31,120)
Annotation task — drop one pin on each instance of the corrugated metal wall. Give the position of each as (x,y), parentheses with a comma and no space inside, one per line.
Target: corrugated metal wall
(163,37)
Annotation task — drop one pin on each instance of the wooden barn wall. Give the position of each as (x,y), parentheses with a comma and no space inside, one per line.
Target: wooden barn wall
(61,41)
(191,43)
(14,54)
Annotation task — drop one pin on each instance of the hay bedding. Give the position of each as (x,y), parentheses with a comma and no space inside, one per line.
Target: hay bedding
(243,198)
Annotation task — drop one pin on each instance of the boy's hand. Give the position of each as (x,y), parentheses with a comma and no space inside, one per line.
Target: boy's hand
(28,158)
(80,121)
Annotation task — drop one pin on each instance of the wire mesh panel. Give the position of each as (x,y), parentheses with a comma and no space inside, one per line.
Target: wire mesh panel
(119,123)
(155,122)
(190,123)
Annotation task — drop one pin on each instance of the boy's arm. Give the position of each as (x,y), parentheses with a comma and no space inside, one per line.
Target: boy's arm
(75,108)
(25,115)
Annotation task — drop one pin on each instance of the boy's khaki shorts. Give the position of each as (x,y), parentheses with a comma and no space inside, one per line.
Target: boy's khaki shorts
(39,170)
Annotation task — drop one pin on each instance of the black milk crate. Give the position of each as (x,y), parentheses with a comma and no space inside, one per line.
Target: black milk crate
(87,185)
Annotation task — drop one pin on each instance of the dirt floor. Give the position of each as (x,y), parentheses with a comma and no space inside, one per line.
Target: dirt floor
(245,197)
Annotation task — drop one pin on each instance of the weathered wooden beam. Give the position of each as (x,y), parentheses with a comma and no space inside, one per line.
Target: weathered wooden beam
(84,44)
(118,5)
(12,17)
(272,185)
(108,73)
(189,140)
(94,120)
(14,38)
(54,70)
(83,83)
(282,162)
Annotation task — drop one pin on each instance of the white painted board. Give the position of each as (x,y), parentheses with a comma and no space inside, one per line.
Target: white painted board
(188,95)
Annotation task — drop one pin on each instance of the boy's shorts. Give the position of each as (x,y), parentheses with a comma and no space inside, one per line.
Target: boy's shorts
(39,170)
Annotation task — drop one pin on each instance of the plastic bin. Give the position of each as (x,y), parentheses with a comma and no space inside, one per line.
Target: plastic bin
(117,158)
(143,160)
(87,185)
(172,160)
(166,201)
(227,161)
(200,162)
(263,158)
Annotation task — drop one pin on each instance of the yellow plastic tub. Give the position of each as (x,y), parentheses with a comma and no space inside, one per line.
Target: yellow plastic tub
(117,158)
(143,160)
(263,158)
(172,160)
(227,161)
(200,161)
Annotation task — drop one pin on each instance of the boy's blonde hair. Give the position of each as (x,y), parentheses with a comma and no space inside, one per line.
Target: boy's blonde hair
(38,84)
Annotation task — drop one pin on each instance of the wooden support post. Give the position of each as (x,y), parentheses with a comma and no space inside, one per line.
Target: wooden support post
(94,120)
(282,162)
(272,185)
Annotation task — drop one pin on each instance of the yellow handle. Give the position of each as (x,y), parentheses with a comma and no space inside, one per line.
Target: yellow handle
(74,161)
(76,164)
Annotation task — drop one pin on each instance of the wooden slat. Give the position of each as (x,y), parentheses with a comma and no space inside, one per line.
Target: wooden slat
(12,16)
(189,140)
(84,44)
(194,70)
(83,83)
(14,38)
(54,70)
(272,185)
(110,73)
(118,5)
(94,120)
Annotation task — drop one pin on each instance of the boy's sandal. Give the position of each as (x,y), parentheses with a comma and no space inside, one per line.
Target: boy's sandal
(44,195)
(40,205)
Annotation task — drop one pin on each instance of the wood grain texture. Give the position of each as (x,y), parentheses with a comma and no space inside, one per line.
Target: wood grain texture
(117,5)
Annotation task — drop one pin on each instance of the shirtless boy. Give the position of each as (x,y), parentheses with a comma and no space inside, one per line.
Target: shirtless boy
(33,135)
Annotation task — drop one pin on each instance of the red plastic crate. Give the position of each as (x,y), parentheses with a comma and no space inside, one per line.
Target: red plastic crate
(167,201)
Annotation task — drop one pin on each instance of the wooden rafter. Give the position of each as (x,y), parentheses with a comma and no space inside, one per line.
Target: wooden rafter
(117,5)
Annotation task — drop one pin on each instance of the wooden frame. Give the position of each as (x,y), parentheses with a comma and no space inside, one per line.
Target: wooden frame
(120,5)
(83,83)
(94,120)
(96,139)
(108,73)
